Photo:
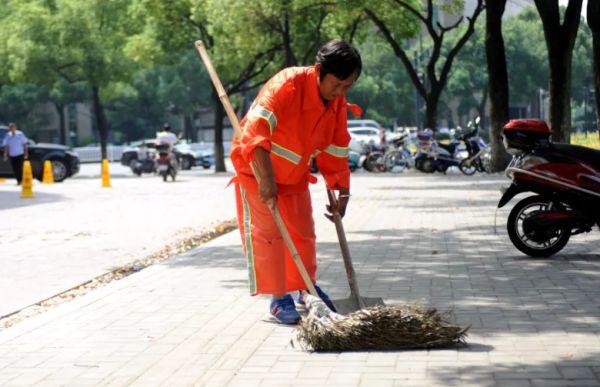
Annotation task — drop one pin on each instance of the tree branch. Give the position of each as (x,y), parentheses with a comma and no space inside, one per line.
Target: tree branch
(249,72)
(400,53)
(572,17)
(450,28)
(316,5)
(427,20)
(410,9)
(461,42)
(354,28)
(253,86)
(317,39)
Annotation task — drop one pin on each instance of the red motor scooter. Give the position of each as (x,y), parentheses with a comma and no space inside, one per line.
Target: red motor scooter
(166,163)
(565,180)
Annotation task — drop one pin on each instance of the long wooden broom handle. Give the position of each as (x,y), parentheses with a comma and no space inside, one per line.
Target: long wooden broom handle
(238,133)
(339,228)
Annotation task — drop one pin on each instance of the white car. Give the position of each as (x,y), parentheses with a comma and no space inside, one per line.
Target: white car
(363,124)
(365,135)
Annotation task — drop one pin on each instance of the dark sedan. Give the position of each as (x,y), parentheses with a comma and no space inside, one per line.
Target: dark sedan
(65,162)
(186,156)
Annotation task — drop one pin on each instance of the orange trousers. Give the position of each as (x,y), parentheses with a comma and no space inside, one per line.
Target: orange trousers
(271,269)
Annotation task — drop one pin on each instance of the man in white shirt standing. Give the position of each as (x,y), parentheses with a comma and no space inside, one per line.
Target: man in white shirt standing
(15,148)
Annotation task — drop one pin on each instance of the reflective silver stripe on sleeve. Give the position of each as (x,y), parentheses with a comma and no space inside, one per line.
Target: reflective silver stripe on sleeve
(269,116)
(337,151)
(285,153)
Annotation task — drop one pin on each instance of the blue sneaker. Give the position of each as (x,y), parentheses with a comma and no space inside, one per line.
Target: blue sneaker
(284,310)
(322,295)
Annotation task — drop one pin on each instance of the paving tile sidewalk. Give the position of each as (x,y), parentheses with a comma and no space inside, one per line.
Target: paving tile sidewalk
(414,238)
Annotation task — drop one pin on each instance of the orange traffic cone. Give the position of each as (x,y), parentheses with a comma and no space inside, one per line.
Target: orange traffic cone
(27,182)
(48,176)
(105,174)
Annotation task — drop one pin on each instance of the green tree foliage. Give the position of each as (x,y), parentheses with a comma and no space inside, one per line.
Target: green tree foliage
(468,83)
(438,65)
(383,90)
(78,41)
(527,63)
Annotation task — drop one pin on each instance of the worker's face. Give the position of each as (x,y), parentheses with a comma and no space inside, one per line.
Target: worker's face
(331,86)
(13,128)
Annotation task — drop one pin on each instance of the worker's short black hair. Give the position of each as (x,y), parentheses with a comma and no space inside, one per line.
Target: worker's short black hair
(339,58)
(166,127)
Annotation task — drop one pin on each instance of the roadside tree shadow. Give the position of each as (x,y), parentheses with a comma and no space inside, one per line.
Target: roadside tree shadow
(12,199)
(565,369)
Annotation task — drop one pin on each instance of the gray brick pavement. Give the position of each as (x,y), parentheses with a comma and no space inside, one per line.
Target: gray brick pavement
(414,238)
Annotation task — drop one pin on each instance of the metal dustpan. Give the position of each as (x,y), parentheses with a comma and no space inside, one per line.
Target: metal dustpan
(355,301)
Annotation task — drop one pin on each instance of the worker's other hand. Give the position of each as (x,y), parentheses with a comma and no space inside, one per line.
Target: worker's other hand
(267,190)
(263,169)
(341,204)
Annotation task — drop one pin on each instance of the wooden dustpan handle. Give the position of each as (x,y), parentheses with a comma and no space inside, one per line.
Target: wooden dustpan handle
(237,133)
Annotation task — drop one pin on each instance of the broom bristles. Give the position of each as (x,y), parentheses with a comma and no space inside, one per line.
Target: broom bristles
(379,328)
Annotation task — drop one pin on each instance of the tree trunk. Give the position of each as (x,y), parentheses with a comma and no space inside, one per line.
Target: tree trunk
(593,18)
(188,127)
(596,55)
(481,108)
(100,120)
(560,95)
(62,129)
(560,40)
(431,105)
(218,123)
(497,80)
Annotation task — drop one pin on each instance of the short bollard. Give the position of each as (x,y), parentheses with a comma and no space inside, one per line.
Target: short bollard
(27,182)
(48,175)
(105,174)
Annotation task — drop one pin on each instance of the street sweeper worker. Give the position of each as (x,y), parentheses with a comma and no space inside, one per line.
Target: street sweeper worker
(299,115)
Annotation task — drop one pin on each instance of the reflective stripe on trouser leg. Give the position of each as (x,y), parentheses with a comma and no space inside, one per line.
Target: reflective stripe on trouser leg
(275,271)
(248,244)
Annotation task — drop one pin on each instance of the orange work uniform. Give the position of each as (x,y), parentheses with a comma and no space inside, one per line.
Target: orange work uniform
(290,120)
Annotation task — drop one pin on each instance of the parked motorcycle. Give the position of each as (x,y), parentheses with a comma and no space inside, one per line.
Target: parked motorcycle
(479,153)
(166,162)
(399,157)
(373,158)
(433,156)
(145,165)
(565,180)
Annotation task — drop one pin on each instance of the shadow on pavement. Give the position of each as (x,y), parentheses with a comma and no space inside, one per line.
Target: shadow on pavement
(564,369)
(12,199)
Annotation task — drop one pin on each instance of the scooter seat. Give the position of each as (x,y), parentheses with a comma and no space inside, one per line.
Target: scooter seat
(449,147)
(588,155)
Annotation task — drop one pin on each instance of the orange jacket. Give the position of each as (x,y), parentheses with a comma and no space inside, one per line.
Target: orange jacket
(289,119)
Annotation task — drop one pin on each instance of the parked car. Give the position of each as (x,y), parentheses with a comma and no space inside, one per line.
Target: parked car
(65,162)
(364,124)
(364,135)
(194,157)
(186,156)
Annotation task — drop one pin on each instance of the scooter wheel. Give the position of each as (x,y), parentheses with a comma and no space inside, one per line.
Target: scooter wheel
(427,166)
(517,235)
(164,176)
(467,168)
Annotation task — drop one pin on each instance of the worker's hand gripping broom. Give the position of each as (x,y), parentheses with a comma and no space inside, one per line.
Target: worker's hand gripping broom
(238,133)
